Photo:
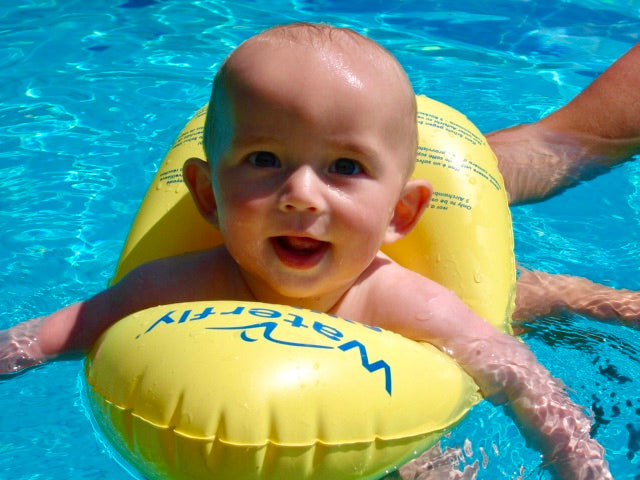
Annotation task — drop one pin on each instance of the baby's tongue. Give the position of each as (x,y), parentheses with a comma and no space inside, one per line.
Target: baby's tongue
(304,244)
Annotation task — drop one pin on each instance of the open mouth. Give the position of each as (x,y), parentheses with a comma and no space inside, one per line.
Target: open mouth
(299,252)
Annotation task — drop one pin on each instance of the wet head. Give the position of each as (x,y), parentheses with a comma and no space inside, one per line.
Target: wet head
(346,88)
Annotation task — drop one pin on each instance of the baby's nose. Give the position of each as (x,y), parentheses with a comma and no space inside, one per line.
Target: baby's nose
(303,191)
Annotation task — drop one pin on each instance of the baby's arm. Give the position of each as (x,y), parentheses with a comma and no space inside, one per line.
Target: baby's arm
(507,371)
(22,346)
(74,329)
(539,293)
(66,332)
(598,129)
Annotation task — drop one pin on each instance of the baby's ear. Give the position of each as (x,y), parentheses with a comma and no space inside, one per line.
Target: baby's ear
(414,199)
(197,175)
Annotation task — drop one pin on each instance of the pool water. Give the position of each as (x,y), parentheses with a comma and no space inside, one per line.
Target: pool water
(94,93)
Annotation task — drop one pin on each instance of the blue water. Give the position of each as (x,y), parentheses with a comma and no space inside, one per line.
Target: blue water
(94,93)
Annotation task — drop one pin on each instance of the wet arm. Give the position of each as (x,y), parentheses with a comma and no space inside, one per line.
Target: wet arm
(598,129)
(540,293)
(68,332)
(507,371)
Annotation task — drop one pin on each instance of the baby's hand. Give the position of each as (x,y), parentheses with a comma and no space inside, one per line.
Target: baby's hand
(19,347)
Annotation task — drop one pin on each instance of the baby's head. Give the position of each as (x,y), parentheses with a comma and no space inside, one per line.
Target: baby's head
(311,139)
(296,64)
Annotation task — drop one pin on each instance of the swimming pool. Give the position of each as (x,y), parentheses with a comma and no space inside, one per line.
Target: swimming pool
(94,93)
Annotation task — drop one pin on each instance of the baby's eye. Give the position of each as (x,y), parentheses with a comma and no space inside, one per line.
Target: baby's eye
(264,160)
(345,166)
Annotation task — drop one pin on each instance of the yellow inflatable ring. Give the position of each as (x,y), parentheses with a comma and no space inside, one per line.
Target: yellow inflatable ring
(245,390)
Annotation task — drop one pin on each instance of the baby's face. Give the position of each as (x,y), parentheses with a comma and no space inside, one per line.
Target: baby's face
(310,166)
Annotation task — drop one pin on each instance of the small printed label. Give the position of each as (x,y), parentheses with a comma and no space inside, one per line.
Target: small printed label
(436,121)
(445,200)
(189,136)
(170,177)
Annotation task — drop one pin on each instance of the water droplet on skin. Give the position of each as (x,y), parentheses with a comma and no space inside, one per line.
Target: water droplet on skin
(477,277)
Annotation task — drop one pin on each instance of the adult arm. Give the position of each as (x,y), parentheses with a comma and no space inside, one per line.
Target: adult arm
(539,293)
(595,131)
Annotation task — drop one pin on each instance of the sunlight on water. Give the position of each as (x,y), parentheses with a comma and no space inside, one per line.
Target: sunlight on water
(94,93)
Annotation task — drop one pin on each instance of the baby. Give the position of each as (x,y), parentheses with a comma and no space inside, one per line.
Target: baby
(311,140)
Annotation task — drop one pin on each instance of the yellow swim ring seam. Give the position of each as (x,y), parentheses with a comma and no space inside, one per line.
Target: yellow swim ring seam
(267,442)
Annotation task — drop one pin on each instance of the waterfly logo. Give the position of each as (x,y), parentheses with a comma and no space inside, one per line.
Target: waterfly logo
(276,326)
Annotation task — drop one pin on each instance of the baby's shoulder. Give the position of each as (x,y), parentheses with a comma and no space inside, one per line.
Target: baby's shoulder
(395,298)
(387,291)
(189,277)
(385,277)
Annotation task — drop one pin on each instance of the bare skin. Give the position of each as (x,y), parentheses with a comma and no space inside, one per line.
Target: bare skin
(597,130)
(593,133)
(305,187)
(540,294)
